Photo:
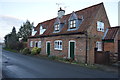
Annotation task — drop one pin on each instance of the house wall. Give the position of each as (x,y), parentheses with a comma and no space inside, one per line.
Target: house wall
(116,43)
(109,46)
(95,35)
(112,46)
(80,47)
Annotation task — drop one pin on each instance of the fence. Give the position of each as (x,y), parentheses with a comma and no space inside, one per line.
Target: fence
(102,57)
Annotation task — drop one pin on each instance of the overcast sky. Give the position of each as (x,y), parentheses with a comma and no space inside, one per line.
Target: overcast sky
(15,12)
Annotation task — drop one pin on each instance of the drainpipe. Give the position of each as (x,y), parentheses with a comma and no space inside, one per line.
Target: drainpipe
(86,46)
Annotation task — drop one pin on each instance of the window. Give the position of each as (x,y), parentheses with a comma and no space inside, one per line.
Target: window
(33,32)
(99,45)
(100,26)
(58,45)
(36,44)
(42,30)
(39,44)
(57,27)
(31,43)
(72,24)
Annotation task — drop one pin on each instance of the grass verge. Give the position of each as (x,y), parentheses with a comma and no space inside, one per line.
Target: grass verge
(11,50)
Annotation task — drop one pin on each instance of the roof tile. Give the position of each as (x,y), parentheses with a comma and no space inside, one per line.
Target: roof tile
(87,14)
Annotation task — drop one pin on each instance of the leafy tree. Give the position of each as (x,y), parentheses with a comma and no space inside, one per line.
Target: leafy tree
(25,30)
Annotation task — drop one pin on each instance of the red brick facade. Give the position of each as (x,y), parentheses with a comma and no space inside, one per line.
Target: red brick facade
(85,42)
(111,39)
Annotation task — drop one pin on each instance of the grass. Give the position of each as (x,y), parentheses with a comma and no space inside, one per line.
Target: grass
(11,50)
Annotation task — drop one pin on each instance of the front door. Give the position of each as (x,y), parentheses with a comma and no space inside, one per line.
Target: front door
(72,49)
(48,48)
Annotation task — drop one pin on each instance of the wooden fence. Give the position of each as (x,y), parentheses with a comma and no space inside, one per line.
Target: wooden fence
(102,57)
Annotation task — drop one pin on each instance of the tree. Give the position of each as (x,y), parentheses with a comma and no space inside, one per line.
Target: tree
(11,39)
(25,31)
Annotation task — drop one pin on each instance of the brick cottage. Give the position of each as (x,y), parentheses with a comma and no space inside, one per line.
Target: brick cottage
(75,35)
(111,41)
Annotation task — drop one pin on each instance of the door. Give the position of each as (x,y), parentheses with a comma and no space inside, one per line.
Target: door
(48,48)
(72,49)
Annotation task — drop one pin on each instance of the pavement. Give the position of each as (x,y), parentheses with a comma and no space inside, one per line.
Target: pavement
(22,66)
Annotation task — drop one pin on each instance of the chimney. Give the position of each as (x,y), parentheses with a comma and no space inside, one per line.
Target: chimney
(61,12)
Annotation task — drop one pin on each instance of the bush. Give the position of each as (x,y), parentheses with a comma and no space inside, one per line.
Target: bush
(69,60)
(20,46)
(52,57)
(35,50)
(26,51)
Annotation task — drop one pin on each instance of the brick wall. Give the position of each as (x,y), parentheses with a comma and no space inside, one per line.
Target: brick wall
(112,46)
(95,35)
(109,46)
(80,47)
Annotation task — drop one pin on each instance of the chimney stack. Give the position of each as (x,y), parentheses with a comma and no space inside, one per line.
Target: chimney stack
(61,12)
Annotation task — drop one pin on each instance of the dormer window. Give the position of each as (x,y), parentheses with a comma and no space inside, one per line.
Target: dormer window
(57,27)
(74,21)
(72,24)
(33,32)
(42,30)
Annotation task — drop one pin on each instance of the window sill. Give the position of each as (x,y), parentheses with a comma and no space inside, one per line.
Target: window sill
(72,29)
(58,49)
(100,31)
(56,31)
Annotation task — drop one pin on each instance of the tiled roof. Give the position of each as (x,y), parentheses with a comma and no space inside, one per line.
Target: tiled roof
(112,32)
(88,15)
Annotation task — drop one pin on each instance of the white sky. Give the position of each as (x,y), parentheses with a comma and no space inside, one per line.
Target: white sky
(17,11)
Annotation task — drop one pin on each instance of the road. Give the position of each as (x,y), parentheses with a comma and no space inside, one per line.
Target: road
(16,65)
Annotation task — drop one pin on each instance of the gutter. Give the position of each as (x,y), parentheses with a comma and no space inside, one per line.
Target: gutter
(42,36)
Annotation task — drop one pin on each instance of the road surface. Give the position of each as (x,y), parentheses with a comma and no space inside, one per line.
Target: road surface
(16,65)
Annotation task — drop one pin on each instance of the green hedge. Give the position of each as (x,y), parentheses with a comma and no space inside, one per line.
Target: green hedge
(35,50)
(26,51)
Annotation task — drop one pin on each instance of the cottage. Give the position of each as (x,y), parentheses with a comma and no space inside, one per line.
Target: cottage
(111,40)
(75,35)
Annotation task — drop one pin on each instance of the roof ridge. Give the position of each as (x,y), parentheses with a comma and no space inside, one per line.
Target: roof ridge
(90,6)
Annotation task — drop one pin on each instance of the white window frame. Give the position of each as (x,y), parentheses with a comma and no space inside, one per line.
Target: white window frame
(42,30)
(100,26)
(31,43)
(39,44)
(58,44)
(33,32)
(57,27)
(72,23)
(99,45)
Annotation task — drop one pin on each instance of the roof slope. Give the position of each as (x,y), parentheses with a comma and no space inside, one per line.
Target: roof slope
(88,16)
(111,33)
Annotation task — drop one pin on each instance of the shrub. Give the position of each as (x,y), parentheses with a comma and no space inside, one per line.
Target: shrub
(26,51)
(20,46)
(35,50)
(52,57)
(68,59)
